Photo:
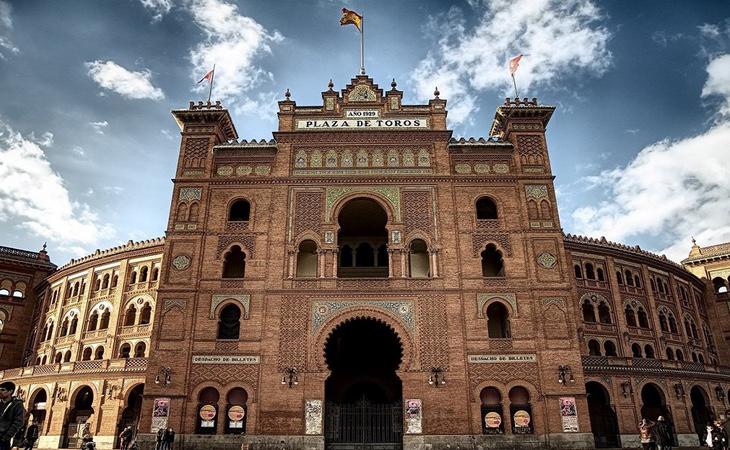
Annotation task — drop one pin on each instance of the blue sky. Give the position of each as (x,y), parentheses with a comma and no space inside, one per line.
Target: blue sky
(639,143)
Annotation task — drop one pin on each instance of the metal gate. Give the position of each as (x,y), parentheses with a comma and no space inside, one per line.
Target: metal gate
(364,426)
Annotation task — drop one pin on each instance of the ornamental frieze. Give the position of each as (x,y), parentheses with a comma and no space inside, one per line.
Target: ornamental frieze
(404,310)
(389,193)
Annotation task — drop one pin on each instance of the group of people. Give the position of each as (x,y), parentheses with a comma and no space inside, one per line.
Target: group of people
(165,439)
(716,436)
(655,435)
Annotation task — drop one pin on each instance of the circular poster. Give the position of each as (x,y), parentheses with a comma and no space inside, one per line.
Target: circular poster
(522,418)
(207,412)
(236,413)
(492,420)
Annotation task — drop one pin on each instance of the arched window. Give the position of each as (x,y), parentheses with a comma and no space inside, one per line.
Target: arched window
(589,314)
(720,285)
(143,272)
(193,214)
(694,357)
(643,319)
(76,289)
(619,277)
(545,210)
(649,351)
(236,411)
(492,263)
(97,283)
(637,281)
(240,211)
(86,355)
(130,316)
(687,329)
(182,212)
(630,316)
(155,273)
(67,356)
(104,321)
(604,313)
(694,330)
(670,354)
(663,322)
(418,259)
(346,256)
(115,280)
(229,323)
(590,274)
(146,315)
(73,326)
(59,358)
(93,321)
(64,327)
(307,259)
(139,349)
(364,255)
(124,351)
(652,284)
(50,331)
(492,420)
(520,410)
(599,273)
(532,212)
(636,350)
(672,324)
(610,348)
(680,355)
(486,209)
(498,321)
(629,278)
(207,412)
(105,281)
(700,358)
(578,271)
(133,277)
(99,352)
(660,286)
(594,348)
(234,265)
(44,361)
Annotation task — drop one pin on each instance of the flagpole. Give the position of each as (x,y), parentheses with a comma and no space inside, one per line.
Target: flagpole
(515,84)
(210,89)
(362,45)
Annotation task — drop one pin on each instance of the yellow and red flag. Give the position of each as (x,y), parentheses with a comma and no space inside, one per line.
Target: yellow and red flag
(351,17)
(514,63)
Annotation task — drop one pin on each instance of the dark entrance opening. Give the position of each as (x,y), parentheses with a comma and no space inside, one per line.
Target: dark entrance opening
(363,394)
(362,240)
(37,406)
(654,404)
(76,421)
(701,414)
(131,412)
(603,417)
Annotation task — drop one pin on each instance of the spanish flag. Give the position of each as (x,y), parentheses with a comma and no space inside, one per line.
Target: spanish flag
(351,17)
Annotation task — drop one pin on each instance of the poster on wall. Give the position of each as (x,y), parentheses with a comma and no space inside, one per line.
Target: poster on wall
(236,414)
(313,417)
(207,416)
(160,413)
(521,419)
(413,416)
(492,420)
(569,414)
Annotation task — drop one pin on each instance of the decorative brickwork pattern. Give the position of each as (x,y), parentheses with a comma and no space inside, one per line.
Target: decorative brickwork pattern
(247,240)
(503,373)
(417,211)
(293,329)
(480,240)
(247,374)
(196,150)
(309,208)
(433,334)
(531,149)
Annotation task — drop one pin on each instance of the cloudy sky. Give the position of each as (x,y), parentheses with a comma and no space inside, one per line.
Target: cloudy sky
(640,143)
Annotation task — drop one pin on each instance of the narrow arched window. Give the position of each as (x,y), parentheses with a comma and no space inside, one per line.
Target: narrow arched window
(663,322)
(105,281)
(133,277)
(578,271)
(694,357)
(498,321)
(680,355)
(545,212)
(670,354)
(619,277)
(193,214)
(694,331)
(532,212)
(86,355)
(589,313)
(594,348)
(104,321)
(637,281)
(146,315)
(346,256)
(687,329)
(124,351)
(115,280)
(182,212)
(143,274)
(636,350)
(643,319)
(229,322)
(672,324)
(700,358)
(67,356)
(590,274)
(74,324)
(629,278)
(364,255)
(649,351)
(307,259)
(155,274)
(599,273)
(234,265)
(93,321)
(140,349)
(604,313)
(418,259)
(64,328)
(630,316)
(652,284)
(240,211)
(610,348)
(99,352)
(486,209)
(492,263)
(130,316)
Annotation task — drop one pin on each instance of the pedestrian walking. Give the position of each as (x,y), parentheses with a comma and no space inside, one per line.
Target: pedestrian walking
(124,437)
(12,414)
(662,434)
(31,435)
(169,438)
(645,434)
(160,439)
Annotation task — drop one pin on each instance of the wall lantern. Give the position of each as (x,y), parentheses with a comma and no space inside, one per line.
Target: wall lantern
(289,377)
(436,377)
(626,388)
(719,393)
(679,390)
(163,376)
(565,375)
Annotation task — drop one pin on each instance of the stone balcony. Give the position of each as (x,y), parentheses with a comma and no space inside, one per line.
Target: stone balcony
(621,365)
(138,365)
(136,330)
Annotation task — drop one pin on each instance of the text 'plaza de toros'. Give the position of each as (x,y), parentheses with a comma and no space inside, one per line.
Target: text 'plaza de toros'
(366,280)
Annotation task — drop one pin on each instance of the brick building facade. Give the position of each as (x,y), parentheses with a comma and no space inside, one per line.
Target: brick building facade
(364,270)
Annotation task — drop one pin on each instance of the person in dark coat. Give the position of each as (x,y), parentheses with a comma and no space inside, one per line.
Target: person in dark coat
(662,434)
(12,414)
(31,435)
(169,438)
(124,437)
(160,441)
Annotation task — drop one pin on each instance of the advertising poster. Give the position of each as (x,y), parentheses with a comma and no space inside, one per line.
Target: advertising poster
(569,414)
(207,416)
(414,416)
(521,419)
(160,413)
(235,416)
(492,420)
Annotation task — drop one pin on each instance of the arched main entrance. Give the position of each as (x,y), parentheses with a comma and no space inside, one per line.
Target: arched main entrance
(701,414)
(654,404)
(132,409)
(37,406)
(362,240)
(76,424)
(603,417)
(363,394)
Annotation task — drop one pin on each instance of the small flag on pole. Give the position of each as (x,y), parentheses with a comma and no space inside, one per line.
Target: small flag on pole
(514,63)
(208,76)
(351,17)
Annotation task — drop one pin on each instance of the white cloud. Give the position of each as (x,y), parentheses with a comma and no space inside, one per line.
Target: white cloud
(557,37)
(6,26)
(673,188)
(136,85)
(158,7)
(99,126)
(233,43)
(36,197)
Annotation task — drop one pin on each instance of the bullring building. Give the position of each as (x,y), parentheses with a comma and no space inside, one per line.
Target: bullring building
(366,280)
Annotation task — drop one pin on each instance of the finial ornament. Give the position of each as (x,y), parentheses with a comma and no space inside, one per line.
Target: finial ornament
(436,92)
(45,244)
(330,85)
(287,94)
(393,84)
(693,241)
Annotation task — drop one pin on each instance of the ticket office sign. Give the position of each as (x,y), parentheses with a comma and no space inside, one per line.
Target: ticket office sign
(405,123)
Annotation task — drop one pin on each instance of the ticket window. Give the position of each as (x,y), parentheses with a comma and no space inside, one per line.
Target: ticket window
(207,411)
(492,418)
(520,411)
(236,411)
